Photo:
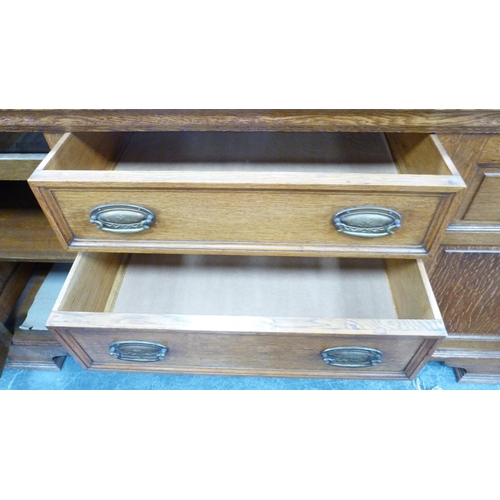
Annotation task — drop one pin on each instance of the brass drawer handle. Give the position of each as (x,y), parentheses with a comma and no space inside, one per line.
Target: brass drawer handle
(138,350)
(367,222)
(352,357)
(122,218)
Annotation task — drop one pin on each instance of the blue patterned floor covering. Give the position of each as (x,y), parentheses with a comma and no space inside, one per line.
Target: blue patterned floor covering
(434,376)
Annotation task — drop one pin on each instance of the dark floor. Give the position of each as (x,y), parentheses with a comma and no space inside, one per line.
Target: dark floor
(434,376)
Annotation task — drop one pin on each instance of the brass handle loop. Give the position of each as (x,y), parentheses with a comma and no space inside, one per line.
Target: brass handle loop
(352,357)
(122,218)
(367,222)
(138,350)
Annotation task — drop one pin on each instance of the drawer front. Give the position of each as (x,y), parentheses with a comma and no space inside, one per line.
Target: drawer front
(284,316)
(336,196)
(362,357)
(222,220)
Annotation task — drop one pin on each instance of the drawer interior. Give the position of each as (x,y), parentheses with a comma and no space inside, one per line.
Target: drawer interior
(192,285)
(255,286)
(268,152)
(258,151)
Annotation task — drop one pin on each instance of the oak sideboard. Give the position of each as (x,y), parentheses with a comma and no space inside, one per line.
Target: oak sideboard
(310,243)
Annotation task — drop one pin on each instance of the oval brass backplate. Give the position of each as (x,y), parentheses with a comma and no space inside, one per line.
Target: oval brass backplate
(367,222)
(122,218)
(352,356)
(138,350)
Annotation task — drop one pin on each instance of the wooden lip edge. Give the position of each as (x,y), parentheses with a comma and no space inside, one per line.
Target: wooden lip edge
(45,177)
(210,248)
(419,120)
(244,325)
(322,373)
(198,179)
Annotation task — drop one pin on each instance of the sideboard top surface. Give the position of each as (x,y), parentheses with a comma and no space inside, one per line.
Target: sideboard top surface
(288,120)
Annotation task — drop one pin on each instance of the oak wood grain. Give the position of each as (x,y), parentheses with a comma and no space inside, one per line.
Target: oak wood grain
(474,156)
(27,236)
(17,167)
(443,121)
(235,344)
(52,139)
(210,207)
(20,154)
(409,279)
(485,206)
(229,352)
(89,283)
(491,151)
(467,288)
(472,234)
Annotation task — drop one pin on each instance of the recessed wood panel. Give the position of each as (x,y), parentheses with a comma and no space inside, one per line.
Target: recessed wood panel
(485,205)
(467,288)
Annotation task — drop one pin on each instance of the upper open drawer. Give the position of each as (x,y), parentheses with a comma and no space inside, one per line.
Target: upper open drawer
(248,192)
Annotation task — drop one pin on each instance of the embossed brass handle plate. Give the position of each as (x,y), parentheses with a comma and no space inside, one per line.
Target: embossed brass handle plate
(138,350)
(367,222)
(352,357)
(122,218)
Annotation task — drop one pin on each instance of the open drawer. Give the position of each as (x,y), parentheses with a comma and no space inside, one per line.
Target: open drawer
(266,193)
(248,315)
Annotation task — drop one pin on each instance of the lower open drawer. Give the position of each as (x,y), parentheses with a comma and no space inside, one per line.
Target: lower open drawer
(272,316)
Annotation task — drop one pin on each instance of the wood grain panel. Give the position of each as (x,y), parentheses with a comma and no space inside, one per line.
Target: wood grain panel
(472,234)
(420,154)
(80,292)
(237,216)
(465,151)
(269,354)
(26,233)
(467,288)
(476,209)
(16,167)
(94,151)
(485,206)
(409,279)
(491,150)
(52,139)
(428,121)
